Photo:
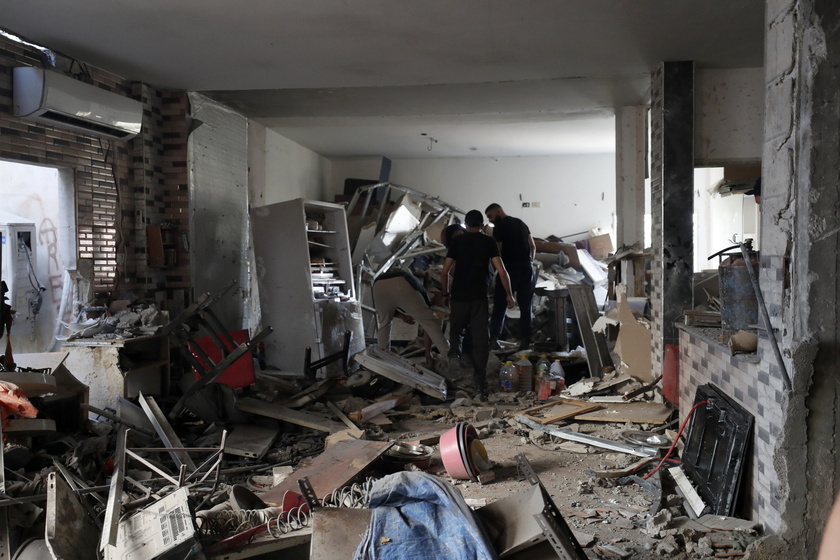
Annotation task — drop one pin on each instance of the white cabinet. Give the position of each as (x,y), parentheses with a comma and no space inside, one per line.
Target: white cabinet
(305,280)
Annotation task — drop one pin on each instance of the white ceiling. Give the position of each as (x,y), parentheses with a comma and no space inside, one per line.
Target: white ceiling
(369,77)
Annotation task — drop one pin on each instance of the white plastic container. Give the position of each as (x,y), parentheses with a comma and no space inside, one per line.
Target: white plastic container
(558,374)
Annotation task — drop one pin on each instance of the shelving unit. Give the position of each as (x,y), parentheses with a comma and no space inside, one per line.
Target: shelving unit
(305,280)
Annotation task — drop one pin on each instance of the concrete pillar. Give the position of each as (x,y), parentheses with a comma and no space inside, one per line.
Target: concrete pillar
(672,202)
(800,263)
(630,169)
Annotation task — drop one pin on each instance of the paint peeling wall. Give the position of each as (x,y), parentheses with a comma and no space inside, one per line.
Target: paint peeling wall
(728,116)
(219,238)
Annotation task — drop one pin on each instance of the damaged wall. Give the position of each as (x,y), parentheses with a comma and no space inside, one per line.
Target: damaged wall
(800,260)
(219,208)
(118,184)
(576,192)
(728,116)
(796,437)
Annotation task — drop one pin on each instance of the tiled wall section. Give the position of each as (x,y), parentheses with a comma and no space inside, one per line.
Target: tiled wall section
(657,272)
(115,181)
(701,362)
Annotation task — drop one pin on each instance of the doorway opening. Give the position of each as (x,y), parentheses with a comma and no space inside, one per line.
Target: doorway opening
(38,246)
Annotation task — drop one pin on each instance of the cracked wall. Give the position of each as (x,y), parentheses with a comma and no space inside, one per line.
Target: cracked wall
(799,265)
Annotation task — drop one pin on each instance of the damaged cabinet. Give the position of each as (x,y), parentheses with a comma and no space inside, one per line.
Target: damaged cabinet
(305,280)
(119,368)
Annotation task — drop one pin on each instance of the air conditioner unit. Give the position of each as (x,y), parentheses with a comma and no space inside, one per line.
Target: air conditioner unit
(58,100)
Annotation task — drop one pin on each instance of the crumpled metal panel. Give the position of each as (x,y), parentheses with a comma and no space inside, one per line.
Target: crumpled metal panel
(220,232)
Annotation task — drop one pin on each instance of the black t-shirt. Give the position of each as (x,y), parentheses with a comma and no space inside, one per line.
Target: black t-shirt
(513,234)
(472,253)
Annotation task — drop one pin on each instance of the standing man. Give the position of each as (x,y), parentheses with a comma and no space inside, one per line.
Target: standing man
(474,256)
(517,250)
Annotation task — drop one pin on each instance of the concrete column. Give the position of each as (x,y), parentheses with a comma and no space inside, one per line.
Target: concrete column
(672,186)
(630,145)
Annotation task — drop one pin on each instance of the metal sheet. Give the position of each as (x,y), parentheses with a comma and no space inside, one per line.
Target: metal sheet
(332,469)
(337,532)
(510,521)
(165,431)
(219,206)
(589,440)
(71,533)
(402,371)
(249,440)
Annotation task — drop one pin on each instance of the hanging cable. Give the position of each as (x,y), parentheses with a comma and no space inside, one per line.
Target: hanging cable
(38,299)
(676,439)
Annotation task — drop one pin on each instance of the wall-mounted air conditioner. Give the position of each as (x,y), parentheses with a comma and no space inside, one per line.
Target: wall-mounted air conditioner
(52,98)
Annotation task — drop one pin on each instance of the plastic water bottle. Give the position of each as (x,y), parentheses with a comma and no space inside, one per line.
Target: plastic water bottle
(558,374)
(508,377)
(526,373)
(541,372)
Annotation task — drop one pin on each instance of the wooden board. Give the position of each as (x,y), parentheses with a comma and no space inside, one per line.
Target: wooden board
(595,343)
(333,468)
(559,410)
(636,412)
(270,410)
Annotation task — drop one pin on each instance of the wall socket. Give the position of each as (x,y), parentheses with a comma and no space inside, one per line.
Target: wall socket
(526,205)
(535,205)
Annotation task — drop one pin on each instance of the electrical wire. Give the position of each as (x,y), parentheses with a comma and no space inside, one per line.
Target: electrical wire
(676,439)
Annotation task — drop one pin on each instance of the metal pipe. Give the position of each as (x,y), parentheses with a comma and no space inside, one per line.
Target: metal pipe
(766,318)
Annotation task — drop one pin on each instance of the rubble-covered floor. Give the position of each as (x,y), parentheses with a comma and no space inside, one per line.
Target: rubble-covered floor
(599,510)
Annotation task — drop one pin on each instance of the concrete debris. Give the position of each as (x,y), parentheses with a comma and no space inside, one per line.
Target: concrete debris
(232,488)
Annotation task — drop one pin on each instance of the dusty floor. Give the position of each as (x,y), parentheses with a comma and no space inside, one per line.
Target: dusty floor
(609,513)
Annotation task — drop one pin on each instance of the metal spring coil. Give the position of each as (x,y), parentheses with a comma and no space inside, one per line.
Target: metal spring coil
(356,495)
(295,519)
(231,522)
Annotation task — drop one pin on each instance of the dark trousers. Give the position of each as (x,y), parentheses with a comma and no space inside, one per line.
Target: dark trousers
(472,314)
(522,286)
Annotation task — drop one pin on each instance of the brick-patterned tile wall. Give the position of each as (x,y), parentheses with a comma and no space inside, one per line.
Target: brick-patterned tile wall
(657,272)
(106,174)
(703,361)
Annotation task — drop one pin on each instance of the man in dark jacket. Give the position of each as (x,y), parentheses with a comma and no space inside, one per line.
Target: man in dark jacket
(474,256)
(517,250)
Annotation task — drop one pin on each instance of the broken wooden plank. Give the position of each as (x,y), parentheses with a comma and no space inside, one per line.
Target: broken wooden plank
(333,468)
(298,417)
(635,412)
(558,410)
(586,312)
(687,490)
(341,416)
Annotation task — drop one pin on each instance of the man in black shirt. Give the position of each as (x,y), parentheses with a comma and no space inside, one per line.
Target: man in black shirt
(517,251)
(474,256)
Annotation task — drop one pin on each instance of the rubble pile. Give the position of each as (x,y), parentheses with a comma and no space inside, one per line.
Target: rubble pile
(255,484)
